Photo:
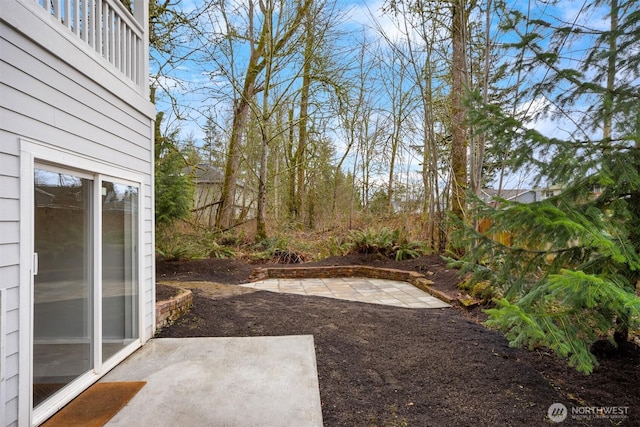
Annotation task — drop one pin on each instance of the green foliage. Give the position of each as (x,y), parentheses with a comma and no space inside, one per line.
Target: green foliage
(218,251)
(270,245)
(278,249)
(173,249)
(567,313)
(385,242)
(569,275)
(379,203)
(175,244)
(371,241)
(406,250)
(482,290)
(570,270)
(336,246)
(173,187)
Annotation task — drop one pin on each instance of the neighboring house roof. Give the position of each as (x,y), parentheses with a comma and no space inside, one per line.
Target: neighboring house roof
(488,194)
(205,174)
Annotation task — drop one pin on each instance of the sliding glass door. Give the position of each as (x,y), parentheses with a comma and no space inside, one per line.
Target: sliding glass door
(85,296)
(63,286)
(119,267)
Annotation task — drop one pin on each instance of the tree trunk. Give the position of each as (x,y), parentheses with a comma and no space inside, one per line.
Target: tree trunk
(255,66)
(227,198)
(261,223)
(431,208)
(224,217)
(303,135)
(458,111)
(477,154)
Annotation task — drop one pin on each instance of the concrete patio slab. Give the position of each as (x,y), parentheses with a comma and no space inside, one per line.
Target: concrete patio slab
(256,381)
(372,291)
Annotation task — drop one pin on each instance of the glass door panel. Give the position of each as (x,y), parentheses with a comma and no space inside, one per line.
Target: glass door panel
(119,267)
(62,311)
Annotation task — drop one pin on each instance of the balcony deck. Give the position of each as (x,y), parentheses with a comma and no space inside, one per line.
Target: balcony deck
(114,31)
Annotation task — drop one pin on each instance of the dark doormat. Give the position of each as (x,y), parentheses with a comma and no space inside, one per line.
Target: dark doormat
(42,391)
(96,405)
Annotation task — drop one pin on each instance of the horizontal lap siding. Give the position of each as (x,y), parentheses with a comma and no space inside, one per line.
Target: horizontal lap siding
(61,107)
(149,264)
(9,267)
(47,100)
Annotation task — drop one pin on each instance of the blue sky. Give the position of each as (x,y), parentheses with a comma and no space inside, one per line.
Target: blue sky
(365,18)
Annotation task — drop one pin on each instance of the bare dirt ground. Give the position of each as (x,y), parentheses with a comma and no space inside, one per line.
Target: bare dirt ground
(387,366)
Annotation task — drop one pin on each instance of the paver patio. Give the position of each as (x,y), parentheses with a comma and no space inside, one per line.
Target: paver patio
(361,289)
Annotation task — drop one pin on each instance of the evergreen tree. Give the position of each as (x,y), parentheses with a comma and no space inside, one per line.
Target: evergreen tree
(173,187)
(571,272)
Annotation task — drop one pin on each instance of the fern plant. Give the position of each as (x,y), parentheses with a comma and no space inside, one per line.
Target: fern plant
(407,250)
(386,242)
(372,241)
(218,251)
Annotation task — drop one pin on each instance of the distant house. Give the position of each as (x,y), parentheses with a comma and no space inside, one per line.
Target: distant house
(488,195)
(550,191)
(208,181)
(76,198)
(554,190)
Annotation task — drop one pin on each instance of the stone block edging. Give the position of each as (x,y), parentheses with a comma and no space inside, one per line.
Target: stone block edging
(416,279)
(170,310)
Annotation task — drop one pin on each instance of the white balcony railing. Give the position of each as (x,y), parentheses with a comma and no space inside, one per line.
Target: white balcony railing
(107,27)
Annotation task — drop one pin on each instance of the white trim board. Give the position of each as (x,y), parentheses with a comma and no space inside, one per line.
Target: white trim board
(32,155)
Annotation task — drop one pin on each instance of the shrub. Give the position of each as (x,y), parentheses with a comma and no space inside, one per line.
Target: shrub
(385,242)
(174,243)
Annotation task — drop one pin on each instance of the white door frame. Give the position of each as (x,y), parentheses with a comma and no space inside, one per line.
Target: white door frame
(31,154)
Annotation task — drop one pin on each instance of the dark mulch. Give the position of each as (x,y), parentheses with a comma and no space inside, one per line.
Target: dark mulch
(164,292)
(386,366)
(222,270)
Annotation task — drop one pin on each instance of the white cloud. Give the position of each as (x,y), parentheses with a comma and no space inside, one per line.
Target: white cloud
(169,83)
(369,15)
(594,19)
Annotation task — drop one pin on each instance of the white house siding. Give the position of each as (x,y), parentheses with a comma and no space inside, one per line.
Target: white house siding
(47,96)
(9,275)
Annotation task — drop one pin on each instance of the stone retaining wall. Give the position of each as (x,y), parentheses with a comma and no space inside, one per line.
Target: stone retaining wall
(170,310)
